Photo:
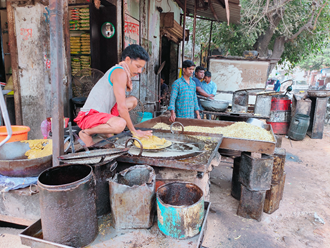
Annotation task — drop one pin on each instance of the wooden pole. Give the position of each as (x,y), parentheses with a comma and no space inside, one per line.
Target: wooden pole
(208,50)
(194,30)
(56,55)
(14,63)
(184,30)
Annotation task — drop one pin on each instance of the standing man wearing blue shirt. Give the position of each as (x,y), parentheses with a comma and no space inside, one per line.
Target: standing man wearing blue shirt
(199,76)
(208,85)
(183,102)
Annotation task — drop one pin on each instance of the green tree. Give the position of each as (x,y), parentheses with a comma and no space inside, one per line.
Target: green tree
(316,61)
(290,29)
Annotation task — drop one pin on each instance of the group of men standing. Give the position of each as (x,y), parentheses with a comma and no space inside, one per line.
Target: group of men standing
(184,102)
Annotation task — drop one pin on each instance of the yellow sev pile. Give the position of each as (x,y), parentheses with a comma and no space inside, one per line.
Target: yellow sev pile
(39,148)
(241,130)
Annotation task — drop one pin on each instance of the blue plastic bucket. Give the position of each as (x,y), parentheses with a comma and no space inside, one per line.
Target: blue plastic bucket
(145,116)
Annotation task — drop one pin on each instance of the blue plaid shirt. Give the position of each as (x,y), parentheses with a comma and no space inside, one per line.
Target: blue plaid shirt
(183,98)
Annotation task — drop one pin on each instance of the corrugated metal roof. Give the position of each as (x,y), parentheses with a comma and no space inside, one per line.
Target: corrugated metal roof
(234,9)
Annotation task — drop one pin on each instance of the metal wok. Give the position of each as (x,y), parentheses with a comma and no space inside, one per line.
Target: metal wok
(14,163)
(214,105)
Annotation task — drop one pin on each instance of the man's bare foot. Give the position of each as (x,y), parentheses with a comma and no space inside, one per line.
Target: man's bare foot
(109,135)
(86,138)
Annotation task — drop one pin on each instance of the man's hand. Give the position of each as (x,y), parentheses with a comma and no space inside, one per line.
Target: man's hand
(173,116)
(142,134)
(198,116)
(211,97)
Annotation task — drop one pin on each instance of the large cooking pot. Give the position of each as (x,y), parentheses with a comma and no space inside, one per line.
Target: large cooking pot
(14,163)
(214,105)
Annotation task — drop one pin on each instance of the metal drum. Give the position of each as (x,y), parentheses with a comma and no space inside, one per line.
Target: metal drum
(180,209)
(298,127)
(67,205)
(280,114)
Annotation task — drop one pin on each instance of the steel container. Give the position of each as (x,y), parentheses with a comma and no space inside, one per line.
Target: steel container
(67,205)
(256,173)
(180,209)
(263,105)
(251,204)
(102,172)
(240,102)
(132,197)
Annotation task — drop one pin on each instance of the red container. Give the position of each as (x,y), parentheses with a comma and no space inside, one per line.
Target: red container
(279,104)
(280,115)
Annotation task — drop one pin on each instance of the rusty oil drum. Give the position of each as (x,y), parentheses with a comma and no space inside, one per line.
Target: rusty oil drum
(67,205)
(280,114)
(180,209)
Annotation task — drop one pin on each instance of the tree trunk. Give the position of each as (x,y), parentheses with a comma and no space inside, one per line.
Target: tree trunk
(278,50)
(263,41)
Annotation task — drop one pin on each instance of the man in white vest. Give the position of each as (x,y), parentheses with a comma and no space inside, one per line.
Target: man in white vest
(106,108)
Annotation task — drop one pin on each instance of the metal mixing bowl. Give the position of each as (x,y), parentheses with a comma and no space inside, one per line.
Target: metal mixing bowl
(215,105)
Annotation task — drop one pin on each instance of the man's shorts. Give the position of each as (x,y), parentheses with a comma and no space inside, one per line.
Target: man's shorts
(93,118)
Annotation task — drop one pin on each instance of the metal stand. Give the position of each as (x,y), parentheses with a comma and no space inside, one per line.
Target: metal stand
(317,117)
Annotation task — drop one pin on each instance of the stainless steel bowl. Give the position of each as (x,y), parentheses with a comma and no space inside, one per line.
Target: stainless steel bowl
(256,122)
(214,105)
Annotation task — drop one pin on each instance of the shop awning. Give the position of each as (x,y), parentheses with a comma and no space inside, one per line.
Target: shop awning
(213,9)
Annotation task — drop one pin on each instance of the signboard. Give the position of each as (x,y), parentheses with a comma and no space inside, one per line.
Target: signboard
(131,34)
(131,31)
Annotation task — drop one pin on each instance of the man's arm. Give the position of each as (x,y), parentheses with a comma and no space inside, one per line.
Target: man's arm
(196,107)
(174,95)
(200,90)
(119,80)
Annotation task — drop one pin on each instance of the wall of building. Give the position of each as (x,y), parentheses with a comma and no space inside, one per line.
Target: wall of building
(151,41)
(33,45)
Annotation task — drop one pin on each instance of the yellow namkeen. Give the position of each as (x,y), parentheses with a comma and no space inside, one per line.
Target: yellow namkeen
(39,148)
(152,142)
(237,130)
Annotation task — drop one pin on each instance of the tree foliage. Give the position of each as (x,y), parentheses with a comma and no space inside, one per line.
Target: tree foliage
(316,61)
(290,29)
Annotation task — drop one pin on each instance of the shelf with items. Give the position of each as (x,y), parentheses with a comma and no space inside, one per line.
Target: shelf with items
(80,48)
(79,19)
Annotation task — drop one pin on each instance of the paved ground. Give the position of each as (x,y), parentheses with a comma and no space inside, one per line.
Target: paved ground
(306,193)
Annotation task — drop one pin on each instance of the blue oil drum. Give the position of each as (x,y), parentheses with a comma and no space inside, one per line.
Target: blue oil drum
(180,209)
(298,127)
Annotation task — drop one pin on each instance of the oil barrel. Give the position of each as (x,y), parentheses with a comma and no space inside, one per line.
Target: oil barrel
(280,114)
(67,205)
(180,209)
(298,127)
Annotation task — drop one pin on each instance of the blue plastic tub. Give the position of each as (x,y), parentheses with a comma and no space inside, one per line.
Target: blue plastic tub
(144,116)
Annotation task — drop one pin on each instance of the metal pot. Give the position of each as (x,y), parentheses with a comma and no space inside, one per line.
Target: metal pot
(214,105)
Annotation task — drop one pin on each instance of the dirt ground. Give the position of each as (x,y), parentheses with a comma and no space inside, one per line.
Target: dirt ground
(303,219)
